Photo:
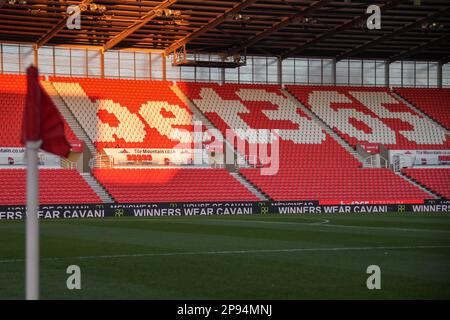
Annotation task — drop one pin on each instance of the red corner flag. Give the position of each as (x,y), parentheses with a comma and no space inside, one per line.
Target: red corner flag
(41,119)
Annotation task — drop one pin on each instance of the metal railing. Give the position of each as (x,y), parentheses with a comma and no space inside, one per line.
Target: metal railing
(101,161)
(67,164)
(396,164)
(376,161)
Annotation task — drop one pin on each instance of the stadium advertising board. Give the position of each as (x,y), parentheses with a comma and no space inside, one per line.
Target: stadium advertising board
(15,157)
(214,208)
(410,158)
(372,148)
(158,156)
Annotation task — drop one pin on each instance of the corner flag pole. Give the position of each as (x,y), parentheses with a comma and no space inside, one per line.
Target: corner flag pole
(32,142)
(32,222)
(42,128)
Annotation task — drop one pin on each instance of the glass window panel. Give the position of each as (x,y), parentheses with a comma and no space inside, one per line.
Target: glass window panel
(395,74)
(62,61)
(111,64)
(94,63)
(408,73)
(355,72)
(288,71)
(272,70)
(342,72)
(327,71)
(142,65)
(156,59)
(45,58)
(11,58)
(26,57)
(301,71)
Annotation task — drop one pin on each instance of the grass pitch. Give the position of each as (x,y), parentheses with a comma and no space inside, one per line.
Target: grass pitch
(236,257)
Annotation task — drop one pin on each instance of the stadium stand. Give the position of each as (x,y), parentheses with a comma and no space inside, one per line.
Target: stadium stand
(172,185)
(313,166)
(56,186)
(373,115)
(145,114)
(126,113)
(12,101)
(435,179)
(434,102)
(336,185)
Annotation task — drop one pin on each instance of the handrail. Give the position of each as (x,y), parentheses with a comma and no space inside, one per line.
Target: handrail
(371,161)
(101,161)
(67,164)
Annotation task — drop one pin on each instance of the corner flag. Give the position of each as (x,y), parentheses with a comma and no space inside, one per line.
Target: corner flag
(42,127)
(41,119)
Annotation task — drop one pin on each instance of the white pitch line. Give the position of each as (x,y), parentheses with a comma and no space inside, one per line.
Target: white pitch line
(326,223)
(323,221)
(194,253)
(150,219)
(388,228)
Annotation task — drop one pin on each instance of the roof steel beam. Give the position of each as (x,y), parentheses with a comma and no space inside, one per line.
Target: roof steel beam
(210,25)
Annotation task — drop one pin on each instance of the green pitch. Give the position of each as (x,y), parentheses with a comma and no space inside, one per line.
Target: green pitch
(236,257)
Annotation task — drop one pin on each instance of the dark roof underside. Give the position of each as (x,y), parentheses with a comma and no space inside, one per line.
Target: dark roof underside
(273,28)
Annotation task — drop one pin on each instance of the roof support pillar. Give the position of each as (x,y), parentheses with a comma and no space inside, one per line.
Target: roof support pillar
(164,66)
(280,71)
(387,71)
(333,71)
(222,73)
(36,56)
(439,74)
(102,64)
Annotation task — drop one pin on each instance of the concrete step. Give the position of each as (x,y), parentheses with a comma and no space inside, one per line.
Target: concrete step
(97,187)
(249,186)
(326,128)
(70,118)
(421,187)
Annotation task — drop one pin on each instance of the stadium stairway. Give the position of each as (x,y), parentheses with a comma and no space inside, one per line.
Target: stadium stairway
(67,114)
(327,129)
(418,185)
(418,111)
(97,187)
(253,189)
(201,117)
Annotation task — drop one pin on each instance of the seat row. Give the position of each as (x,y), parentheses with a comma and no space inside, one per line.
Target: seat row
(162,185)
(56,186)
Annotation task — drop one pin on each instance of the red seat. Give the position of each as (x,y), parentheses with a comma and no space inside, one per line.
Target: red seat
(56,186)
(435,179)
(308,171)
(169,185)
(13,90)
(434,102)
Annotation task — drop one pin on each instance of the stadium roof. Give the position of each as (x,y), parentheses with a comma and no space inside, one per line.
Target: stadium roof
(283,28)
